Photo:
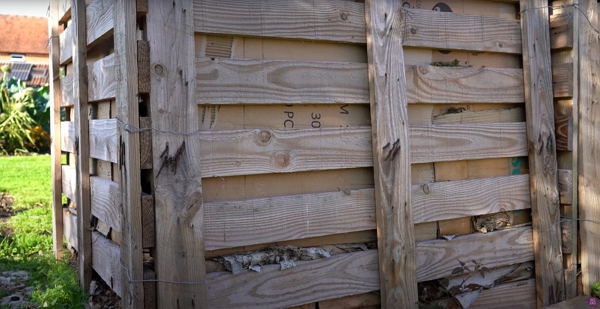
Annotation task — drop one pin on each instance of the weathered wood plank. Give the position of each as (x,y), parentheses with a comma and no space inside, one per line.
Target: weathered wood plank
(63,9)
(309,281)
(565,186)
(561,30)
(391,154)
(177,191)
(148,221)
(589,144)
(104,139)
(145,143)
(562,80)
(238,81)
(66,45)
(328,20)
(266,220)
(143,60)
(69,228)
(102,78)
(127,110)
(539,106)
(106,201)
(566,227)
(463,198)
(67,136)
(574,303)
(69,181)
(100,22)
(106,259)
(564,133)
(514,295)
(452,31)
(66,90)
(437,258)
(149,286)
(516,114)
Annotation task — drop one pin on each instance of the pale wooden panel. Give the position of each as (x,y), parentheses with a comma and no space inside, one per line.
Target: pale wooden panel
(561,30)
(516,114)
(514,295)
(103,139)
(437,258)
(309,281)
(69,182)
(237,81)
(102,77)
(99,20)
(70,228)
(462,198)
(105,261)
(565,186)
(64,10)
(106,201)
(66,89)
(66,45)
(443,30)
(67,136)
(255,221)
(562,80)
(145,143)
(327,20)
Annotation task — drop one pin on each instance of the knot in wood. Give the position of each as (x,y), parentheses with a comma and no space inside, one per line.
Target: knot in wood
(344,16)
(423,70)
(413,30)
(425,188)
(282,159)
(159,69)
(264,137)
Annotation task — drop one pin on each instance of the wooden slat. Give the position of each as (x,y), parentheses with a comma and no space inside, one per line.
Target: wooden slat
(141,6)
(143,61)
(562,80)
(148,221)
(283,218)
(539,106)
(100,22)
(246,152)
(145,144)
(63,8)
(70,228)
(178,189)
(516,114)
(561,30)
(102,79)
(66,45)
(106,259)
(437,258)
(361,301)
(69,183)
(452,31)
(564,133)
(574,303)
(565,186)
(237,81)
(566,227)
(326,20)
(309,281)
(103,139)
(67,136)
(149,287)
(463,198)
(391,154)
(66,90)
(514,295)
(106,201)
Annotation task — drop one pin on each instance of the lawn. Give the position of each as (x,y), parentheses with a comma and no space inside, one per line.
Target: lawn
(26,238)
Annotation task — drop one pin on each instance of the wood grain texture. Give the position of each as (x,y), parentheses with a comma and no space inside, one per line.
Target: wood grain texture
(62,9)
(100,22)
(66,45)
(589,145)
(177,191)
(539,106)
(69,181)
(238,81)
(514,295)
(565,186)
(148,221)
(566,227)
(561,30)
(103,79)
(67,136)
(574,303)
(391,154)
(106,201)
(145,144)
(564,133)
(66,90)
(516,114)
(463,198)
(69,228)
(143,60)
(106,259)
(80,93)
(327,20)
(266,220)
(452,31)
(127,110)
(103,139)
(149,287)
(310,281)
(562,80)
(437,258)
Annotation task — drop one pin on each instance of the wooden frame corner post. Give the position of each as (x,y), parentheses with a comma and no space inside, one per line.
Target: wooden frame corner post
(541,139)
(389,119)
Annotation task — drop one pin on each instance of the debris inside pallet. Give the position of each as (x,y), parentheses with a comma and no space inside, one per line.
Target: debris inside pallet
(490,223)
(285,256)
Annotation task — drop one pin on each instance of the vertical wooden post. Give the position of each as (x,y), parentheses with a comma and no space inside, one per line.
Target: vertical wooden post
(80,99)
(589,143)
(57,213)
(389,119)
(177,187)
(539,107)
(125,32)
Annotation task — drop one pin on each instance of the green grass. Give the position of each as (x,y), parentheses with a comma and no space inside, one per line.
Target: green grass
(29,245)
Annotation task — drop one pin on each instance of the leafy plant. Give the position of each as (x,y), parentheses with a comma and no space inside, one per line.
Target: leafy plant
(595,291)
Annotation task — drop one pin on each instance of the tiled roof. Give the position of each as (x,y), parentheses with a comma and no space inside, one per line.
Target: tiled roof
(34,74)
(23,34)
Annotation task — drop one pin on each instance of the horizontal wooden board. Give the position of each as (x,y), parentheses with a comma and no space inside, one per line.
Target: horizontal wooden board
(102,78)
(66,91)
(516,114)
(105,261)
(309,281)
(565,186)
(247,152)
(437,258)
(266,220)
(69,181)
(562,80)
(67,136)
(103,139)
(66,45)
(70,228)
(452,31)
(237,81)
(463,198)
(513,295)
(326,20)
(106,201)
(99,20)
(561,30)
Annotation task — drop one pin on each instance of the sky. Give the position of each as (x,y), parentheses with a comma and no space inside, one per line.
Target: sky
(24,7)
